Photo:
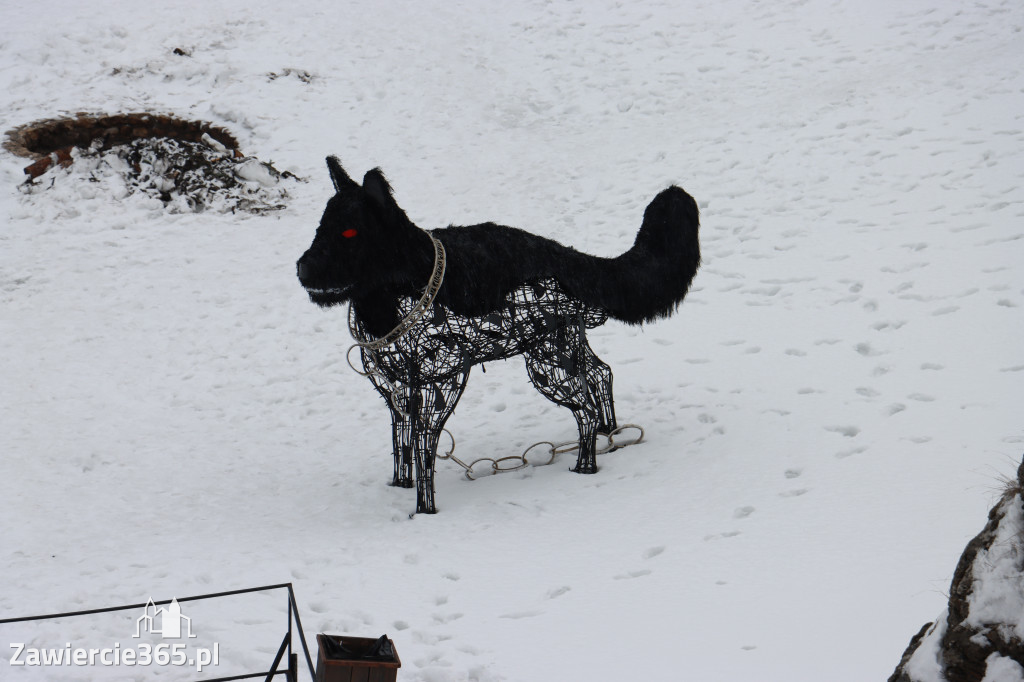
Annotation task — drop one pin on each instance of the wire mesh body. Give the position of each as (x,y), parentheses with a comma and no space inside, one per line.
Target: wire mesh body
(423,374)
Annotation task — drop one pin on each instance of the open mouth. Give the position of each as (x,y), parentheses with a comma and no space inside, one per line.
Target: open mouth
(333,290)
(326,296)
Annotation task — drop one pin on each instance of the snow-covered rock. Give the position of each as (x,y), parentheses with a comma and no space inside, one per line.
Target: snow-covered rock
(980,635)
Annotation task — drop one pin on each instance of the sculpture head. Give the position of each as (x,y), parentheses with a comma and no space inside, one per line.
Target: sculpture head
(356,244)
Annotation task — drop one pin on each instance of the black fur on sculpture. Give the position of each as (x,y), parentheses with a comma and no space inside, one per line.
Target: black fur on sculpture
(428,305)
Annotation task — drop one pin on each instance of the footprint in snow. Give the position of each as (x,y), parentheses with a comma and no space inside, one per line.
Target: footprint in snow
(653,552)
(558,592)
(516,615)
(846,431)
(718,536)
(946,310)
(793,473)
(442,618)
(794,493)
(632,574)
(743,512)
(866,350)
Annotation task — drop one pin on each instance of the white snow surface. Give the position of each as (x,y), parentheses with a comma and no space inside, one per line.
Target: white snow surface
(827,415)
(1002,669)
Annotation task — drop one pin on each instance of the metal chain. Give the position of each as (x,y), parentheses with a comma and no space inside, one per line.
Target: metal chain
(499,466)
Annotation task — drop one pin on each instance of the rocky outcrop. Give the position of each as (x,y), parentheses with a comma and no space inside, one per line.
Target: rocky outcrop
(980,636)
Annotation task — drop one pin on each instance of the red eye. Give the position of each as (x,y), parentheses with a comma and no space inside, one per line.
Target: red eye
(349,233)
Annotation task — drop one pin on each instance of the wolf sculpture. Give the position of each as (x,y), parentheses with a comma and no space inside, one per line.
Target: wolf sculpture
(425,306)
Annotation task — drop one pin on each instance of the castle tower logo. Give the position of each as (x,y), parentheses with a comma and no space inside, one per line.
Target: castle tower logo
(167,622)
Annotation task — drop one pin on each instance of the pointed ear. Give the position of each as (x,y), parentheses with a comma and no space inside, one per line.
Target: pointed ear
(338,175)
(376,185)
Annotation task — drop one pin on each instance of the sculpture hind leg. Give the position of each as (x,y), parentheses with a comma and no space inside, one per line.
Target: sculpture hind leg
(559,369)
(431,406)
(599,382)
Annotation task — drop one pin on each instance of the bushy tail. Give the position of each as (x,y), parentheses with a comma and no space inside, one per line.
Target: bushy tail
(650,280)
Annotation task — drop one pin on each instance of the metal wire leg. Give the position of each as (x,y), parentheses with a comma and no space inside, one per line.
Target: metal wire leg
(557,369)
(431,409)
(599,382)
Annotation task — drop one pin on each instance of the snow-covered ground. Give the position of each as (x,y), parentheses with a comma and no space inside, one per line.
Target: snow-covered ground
(827,415)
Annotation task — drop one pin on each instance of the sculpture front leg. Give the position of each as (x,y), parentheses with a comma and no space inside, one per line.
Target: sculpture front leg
(401,437)
(430,409)
(397,399)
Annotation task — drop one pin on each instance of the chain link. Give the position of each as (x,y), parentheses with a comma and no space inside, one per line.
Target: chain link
(499,466)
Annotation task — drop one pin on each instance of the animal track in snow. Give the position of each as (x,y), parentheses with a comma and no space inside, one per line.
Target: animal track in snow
(846,431)
(743,512)
(557,592)
(794,493)
(946,310)
(726,534)
(632,574)
(442,619)
(867,350)
(921,397)
(653,552)
(843,454)
(516,615)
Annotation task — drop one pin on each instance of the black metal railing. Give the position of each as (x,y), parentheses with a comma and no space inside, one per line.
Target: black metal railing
(291,672)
